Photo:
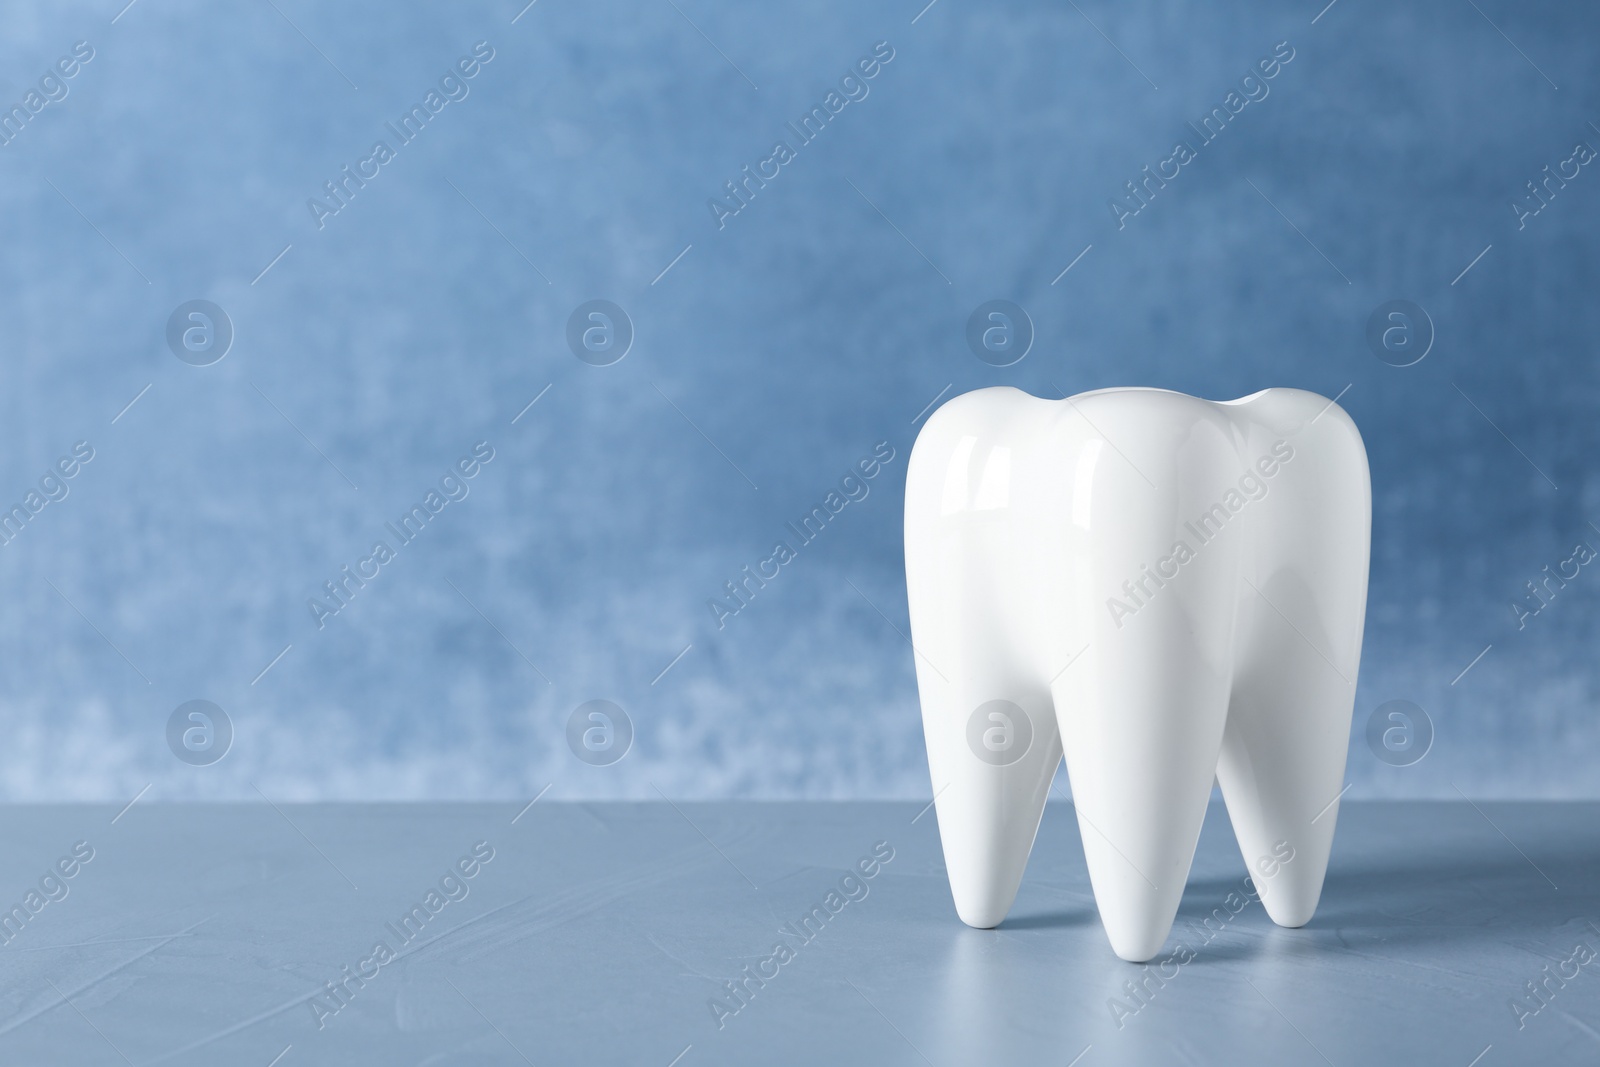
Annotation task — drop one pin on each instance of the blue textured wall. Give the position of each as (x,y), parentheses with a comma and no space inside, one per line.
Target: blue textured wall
(780,348)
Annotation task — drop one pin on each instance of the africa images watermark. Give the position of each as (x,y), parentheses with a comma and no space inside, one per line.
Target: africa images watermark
(453,88)
(1550,984)
(1540,596)
(1204,529)
(52,888)
(53,488)
(853,488)
(1142,992)
(452,888)
(853,887)
(1254,88)
(453,487)
(53,88)
(1540,195)
(853,88)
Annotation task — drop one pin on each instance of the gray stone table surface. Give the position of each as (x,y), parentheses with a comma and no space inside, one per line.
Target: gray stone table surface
(565,933)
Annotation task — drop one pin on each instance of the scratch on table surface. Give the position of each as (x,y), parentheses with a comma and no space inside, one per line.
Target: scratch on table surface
(1182,1048)
(1580,1024)
(589,810)
(558,909)
(483,936)
(52,1002)
(611,814)
(1398,960)
(236,1027)
(689,969)
(295,1002)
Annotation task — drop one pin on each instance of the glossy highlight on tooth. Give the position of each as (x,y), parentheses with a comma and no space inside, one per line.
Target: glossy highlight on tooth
(1168,591)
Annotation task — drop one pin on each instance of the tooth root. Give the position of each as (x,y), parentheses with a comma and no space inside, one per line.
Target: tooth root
(1142,712)
(1283,753)
(970,628)
(988,815)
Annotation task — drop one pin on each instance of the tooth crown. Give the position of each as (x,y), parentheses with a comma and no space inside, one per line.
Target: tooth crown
(1169,590)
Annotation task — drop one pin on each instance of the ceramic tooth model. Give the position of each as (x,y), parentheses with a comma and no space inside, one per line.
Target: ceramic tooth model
(1169,590)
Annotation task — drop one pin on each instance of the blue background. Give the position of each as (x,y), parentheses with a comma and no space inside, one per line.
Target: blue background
(422,318)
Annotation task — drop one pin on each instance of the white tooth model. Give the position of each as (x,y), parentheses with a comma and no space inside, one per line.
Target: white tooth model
(1169,589)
